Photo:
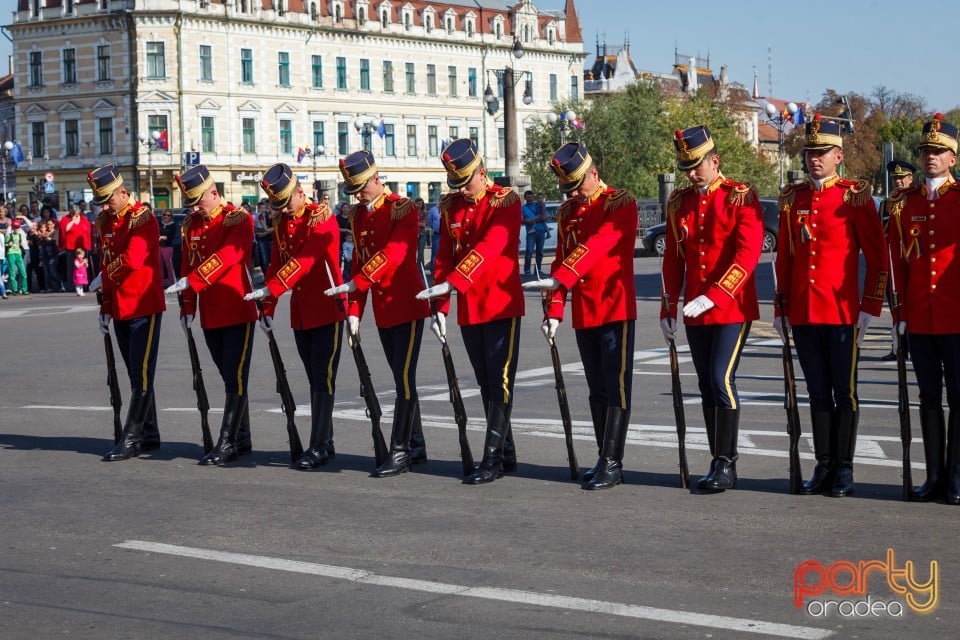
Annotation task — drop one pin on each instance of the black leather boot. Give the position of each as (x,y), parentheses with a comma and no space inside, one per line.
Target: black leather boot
(598,414)
(725,464)
(226,448)
(610,466)
(129,444)
(399,459)
(710,425)
(509,451)
(151,432)
(823,473)
(952,468)
(321,421)
(934,438)
(244,443)
(418,444)
(846,445)
(491,466)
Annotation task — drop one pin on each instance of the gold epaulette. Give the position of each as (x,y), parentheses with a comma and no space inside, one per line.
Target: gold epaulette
(233,215)
(138,216)
(741,193)
(319,214)
(673,202)
(504,197)
(858,192)
(788,193)
(565,207)
(402,207)
(898,199)
(446,201)
(617,199)
(187,221)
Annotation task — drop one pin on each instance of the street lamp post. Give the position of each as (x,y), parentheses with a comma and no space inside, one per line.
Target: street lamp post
(7,146)
(366,127)
(317,151)
(562,122)
(151,143)
(779,122)
(508,76)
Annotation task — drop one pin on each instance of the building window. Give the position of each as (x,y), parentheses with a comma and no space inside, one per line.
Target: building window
(156,124)
(411,78)
(574,88)
(286,137)
(449,26)
(156,63)
(384,18)
(498,31)
(206,63)
(71,137)
(283,68)
(469,28)
(341,73)
(389,140)
(407,20)
(452,81)
(313,11)
(105,135)
(411,140)
(472,82)
(343,138)
(428,23)
(338,12)
(103,62)
(432,141)
(316,71)
(34,8)
(474,135)
(318,136)
(208,137)
(501,143)
(553,87)
(249,128)
(281,7)
(362,16)
(246,66)
(551,35)
(431,79)
(364,74)
(454,133)
(36,68)
(69,66)
(387,76)
(38,139)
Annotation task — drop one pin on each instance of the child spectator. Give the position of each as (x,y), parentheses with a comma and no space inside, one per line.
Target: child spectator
(346,254)
(80,270)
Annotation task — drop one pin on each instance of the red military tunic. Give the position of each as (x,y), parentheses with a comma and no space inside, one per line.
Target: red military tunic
(385,260)
(130,246)
(216,259)
(594,260)
(302,244)
(821,236)
(924,237)
(479,255)
(715,238)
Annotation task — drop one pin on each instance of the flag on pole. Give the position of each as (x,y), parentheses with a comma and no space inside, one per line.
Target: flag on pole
(16,153)
(162,142)
(798,118)
(301,154)
(381,129)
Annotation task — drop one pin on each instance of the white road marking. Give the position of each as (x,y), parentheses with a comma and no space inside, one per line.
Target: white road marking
(33,312)
(360,576)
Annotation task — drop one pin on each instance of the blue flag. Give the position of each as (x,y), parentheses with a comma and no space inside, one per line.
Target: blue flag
(798,117)
(381,129)
(16,153)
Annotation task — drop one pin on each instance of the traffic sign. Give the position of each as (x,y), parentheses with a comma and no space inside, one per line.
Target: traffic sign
(48,176)
(49,187)
(191,158)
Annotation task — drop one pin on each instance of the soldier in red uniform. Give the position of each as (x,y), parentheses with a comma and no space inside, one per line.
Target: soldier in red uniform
(825,223)
(924,242)
(217,247)
(385,229)
(306,241)
(132,298)
(714,239)
(479,258)
(597,230)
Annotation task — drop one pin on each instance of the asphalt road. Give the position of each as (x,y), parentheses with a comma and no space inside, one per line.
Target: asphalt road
(159,547)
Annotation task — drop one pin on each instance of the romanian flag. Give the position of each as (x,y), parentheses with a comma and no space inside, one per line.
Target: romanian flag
(301,154)
(162,142)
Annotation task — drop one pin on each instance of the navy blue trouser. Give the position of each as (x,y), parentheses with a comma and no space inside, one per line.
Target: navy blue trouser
(493,348)
(319,349)
(607,355)
(716,349)
(936,358)
(401,346)
(230,349)
(137,340)
(828,357)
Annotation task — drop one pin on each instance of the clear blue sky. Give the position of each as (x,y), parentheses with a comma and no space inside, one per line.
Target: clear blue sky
(856,46)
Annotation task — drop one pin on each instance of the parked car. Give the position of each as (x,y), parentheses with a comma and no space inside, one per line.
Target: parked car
(655,238)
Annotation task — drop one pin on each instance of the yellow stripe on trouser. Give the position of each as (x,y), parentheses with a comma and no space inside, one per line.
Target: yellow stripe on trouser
(506,365)
(733,360)
(333,354)
(145,380)
(853,367)
(406,363)
(243,358)
(623,367)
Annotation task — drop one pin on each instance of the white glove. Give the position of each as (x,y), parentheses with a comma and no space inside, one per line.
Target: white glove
(186,321)
(549,328)
(346,287)
(863,323)
(781,325)
(435,291)
(438,324)
(669,328)
(178,286)
(548,284)
(105,324)
(96,284)
(699,306)
(898,330)
(266,324)
(257,294)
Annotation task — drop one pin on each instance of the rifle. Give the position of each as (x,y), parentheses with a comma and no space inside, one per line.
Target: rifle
(678,412)
(287,402)
(456,399)
(562,398)
(116,401)
(374,412)
(903,400)
(789,394)
(203,403)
